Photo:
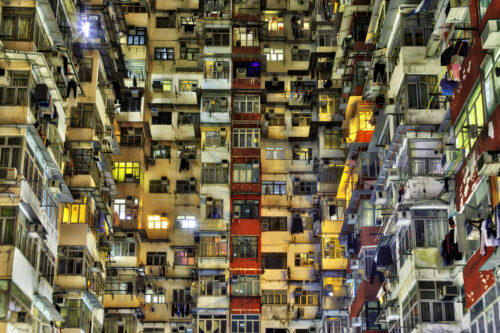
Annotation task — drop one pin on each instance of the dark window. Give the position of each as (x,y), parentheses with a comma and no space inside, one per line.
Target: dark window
(305,188)
(165,21)
(159,186)
(269,223)
(131,136)
(85,69)
(162,118)
(18,23)
(246,209)
(274,260)
(186,186)
(273,187)
(420,92)
(217,36)
(156,258)
(300,55)
(244,246)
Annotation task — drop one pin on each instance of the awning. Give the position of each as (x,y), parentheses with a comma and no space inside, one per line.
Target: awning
(208,272)
(46,308)
(373,21)
(92,300)
(423,6)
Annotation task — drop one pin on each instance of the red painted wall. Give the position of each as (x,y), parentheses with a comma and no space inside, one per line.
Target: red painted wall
(477,282)
(366,291)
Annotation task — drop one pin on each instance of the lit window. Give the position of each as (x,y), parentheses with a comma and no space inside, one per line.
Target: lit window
(275,153)
(273,54)
(184,257)
(470,121)
(188,85)
(75,213)
(167,85)
(128,172)
(275,24)
(304,259)
(126,209)
(185,222)
(157,222)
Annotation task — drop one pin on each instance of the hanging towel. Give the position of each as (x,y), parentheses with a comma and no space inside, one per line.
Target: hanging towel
(455,70)
(297,226)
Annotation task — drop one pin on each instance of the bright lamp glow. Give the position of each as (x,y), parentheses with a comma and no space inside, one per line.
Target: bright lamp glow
(86,28)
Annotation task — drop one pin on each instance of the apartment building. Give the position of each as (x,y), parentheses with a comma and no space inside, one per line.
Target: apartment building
(249,166)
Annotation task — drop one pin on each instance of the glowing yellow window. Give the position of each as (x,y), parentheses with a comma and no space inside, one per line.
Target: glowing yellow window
(75,213)
(157,222)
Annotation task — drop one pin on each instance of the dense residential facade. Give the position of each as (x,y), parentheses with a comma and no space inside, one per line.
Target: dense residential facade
(245,166)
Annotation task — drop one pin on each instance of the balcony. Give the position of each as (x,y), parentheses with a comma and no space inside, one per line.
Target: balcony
(85,175)
(246,10)
(246,83)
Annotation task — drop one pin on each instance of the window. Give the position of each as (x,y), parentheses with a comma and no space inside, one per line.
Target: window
(185,222)
(212,323)
(162,85)
(123,247)
(188,85)
(417,31)
(429,227)
(85,70)
(33,173)
(420,92)
(17,91)
(126,172)
(274,187)
(159,150)
(213,246)
(127,209)
(136,68)
(246,209)
(214,173)
(244,246)
(185,186)
(83,116)
(165,21)
(154,294)
(278,223)
(423,304)
(7,224)
(246,104)
(305,188)
(277,119)
(300,55)
(246,173)
(184,257)
(162,118)
(215,139)
(326,38)
(423,158)
(333,139)
(72,261)
(245,285)
(18,23)
(215,209)
(131,137)
(11,148)
(470,121)
(217,36)
(491,84)
(274,297)
(215,104)
(275,153)
(273,54)
(157,222)
(306,297)
(304,260)
(164,53)
(246,138)
(189,53)
(213,285)
(327,105)
(245,323)
(136,36)
(275,24)
(274,260)
(188,118)
(156,258)
(302,85)
(245,36)
(47,266)
(121,285)
(300,119)
(159,186)
(331,174)
(483,6)
(77,315)
(181,296)
(332,248)
(217,70)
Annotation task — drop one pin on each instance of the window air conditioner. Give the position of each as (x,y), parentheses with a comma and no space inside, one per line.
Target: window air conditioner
(8,173)
(487,164)
(236,215)
(4,77)
(219,66)
(164,214)
(393,174)
(164,180)
(192,181)
(448,293)
(490,37)
(241,73)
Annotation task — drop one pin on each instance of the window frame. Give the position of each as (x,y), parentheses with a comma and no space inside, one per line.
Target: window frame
(245,247)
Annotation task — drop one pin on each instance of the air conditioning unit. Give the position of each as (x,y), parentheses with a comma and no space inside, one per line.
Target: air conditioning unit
(192,181)
(357,321)
(381,198)
(35,229)
(448,293)
(458,11)
(223,101)
(241,73)
(355,264)
(129,178)
(134,93)
(164,180)
(155,111)
(487,164)
(392,313)
(403,218)
(223,238)
(210,200)
(163,215)
(4,77)
(393,174)
(255,163)
(219,66)
(264,226)
(236,215)
(54,186)
(352,218)
(274,81)
(8,173)
(490,37)
(131,131)
(225,163)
